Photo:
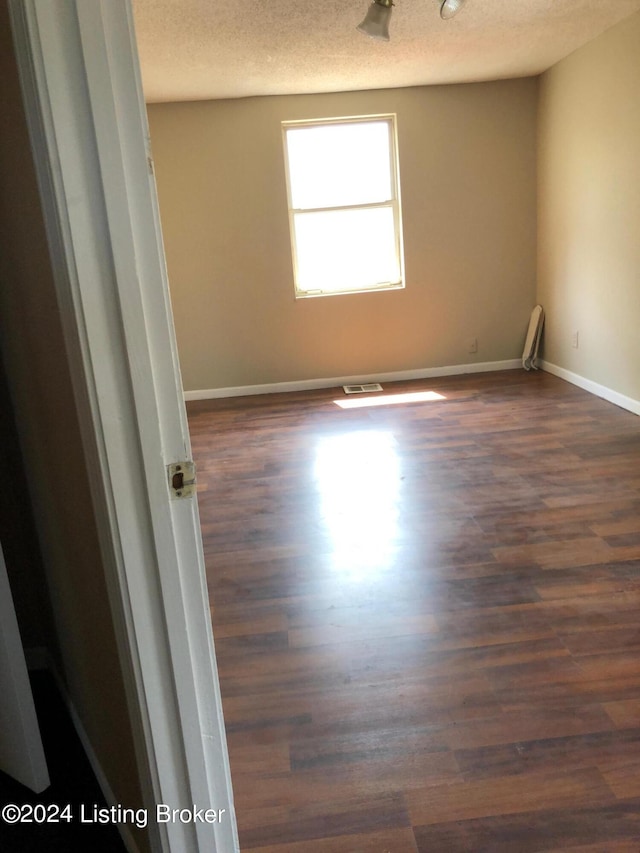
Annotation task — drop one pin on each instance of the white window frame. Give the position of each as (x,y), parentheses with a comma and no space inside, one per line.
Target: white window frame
(393,203)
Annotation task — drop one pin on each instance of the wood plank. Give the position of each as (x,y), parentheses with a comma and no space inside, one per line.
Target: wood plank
(599,749)
(386,841)
(623,778)
(625,713)
(528,724)
(353,817)
(504,795)
(605,828)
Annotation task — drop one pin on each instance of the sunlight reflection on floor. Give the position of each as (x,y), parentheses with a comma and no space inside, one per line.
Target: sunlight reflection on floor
(358,476)
(389,399)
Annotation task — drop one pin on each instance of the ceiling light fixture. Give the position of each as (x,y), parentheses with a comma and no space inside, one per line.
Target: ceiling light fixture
(376,21)
(449,8)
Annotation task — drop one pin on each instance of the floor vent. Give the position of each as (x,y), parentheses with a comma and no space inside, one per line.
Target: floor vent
(362,389)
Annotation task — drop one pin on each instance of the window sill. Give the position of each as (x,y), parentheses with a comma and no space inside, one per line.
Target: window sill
(313,294)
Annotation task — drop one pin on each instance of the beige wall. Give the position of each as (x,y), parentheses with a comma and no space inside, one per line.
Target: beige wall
(81,639)
(589,209)
(468,172)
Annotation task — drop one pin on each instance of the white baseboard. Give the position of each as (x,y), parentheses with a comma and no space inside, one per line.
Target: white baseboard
(608,394)
(39,658)
(336,381)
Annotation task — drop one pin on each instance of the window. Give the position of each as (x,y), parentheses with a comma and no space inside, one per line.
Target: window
(344,205)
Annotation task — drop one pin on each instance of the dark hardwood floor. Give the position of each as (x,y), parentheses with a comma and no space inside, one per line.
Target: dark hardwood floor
(427,617)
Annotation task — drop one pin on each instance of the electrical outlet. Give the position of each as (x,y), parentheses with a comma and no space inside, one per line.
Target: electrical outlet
(574,340)
(472,345)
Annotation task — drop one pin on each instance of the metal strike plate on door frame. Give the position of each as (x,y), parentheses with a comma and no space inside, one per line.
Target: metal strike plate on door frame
(182,479)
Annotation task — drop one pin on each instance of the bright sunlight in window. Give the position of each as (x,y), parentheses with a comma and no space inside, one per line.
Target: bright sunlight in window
(344,205)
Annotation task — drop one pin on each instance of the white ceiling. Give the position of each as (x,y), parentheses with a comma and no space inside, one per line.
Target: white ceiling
(203,49)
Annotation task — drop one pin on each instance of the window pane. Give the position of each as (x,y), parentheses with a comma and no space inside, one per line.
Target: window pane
(346,249)
(335,165)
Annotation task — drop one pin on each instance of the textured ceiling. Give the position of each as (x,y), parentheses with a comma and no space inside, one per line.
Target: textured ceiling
(202,49)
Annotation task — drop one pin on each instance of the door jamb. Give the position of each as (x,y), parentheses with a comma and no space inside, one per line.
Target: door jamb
(89,135)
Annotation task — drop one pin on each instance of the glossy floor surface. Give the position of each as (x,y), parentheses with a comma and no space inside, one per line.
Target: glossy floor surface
(427,616)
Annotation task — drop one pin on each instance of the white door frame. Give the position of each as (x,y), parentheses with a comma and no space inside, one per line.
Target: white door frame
(88,128)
